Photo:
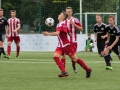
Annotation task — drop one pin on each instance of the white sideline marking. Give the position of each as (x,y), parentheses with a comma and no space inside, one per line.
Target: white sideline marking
(44,61)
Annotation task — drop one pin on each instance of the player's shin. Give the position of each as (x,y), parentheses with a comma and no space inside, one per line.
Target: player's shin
(83,65)
(18,50)
(107,59)
(59,63)
(8,50)
(63,61)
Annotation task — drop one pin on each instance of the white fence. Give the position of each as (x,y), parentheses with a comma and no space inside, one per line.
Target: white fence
(38,42)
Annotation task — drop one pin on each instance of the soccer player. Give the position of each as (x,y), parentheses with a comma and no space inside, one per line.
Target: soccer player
(113,41)
(88,41)
(3,28)
(64,46)
(73,24)
(100,34)
(12,33)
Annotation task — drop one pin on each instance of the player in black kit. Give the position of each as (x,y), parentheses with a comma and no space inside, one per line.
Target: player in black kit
(113,40)
(100,34)
(3,27)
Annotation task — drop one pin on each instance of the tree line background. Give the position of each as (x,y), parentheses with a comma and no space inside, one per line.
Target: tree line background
(34,12)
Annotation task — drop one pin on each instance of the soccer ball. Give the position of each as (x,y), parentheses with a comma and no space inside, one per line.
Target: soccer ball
(49,22)
(91,44)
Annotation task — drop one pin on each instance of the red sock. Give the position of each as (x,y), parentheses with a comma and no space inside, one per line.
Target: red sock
(63,61)
(59,63)
(8,50)
(82,64)
(18,50)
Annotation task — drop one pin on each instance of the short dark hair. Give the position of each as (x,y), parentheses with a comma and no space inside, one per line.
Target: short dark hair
(111,16)
(12,10)
(69,8)
(65,14)
(1,9)
(89,34)
(99,15)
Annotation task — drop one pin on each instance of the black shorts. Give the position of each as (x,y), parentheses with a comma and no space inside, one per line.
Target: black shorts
(2,37)
(116,48)
(100,46)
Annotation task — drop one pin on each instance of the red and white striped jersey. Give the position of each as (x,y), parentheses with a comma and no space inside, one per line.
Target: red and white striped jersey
(62,37)
(73,29)
(13,24)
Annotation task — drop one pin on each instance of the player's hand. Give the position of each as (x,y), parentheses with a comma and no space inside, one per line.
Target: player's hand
(107,42)
(102,37)
(95,40)
(45,33)
(109,47)
(14,31)
(71,22)
(6,35)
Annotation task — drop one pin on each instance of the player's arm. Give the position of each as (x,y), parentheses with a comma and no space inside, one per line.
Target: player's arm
(77,25)
(114,43)
(95,36)
(108,38)
(18,28)
(51,33)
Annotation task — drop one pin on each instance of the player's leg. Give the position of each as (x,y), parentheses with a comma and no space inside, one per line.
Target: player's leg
(116,50)
(9,42)
(63,59)
(82,64)
(72,54)
(74,45)
(17,42)
(107,59)
(2,46)
(58,52)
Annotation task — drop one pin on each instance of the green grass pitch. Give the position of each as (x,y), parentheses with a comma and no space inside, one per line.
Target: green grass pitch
(38,71)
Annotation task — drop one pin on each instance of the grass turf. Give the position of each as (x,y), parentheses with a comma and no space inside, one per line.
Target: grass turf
(38,71)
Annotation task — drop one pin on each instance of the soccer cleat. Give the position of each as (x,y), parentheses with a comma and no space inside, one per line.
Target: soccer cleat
(75,71)
(8,57)
(63,74)
(109,68)
(5,56)
(17,57)
(88,74)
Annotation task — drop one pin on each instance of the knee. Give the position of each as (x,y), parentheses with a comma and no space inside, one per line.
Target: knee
(9,43)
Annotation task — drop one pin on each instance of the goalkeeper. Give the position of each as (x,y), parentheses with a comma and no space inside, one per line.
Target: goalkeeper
(88,47)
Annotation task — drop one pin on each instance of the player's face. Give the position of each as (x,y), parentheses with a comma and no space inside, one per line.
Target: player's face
(111,21)
(89,36)
(98,19)
(61,16)
(13,14)
(69,12)
(1,13)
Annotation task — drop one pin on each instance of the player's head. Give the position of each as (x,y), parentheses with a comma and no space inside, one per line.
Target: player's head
(111,20)
(13,13)
(69,11)
(1,12)
(89,35)
(98,18)
(62,16)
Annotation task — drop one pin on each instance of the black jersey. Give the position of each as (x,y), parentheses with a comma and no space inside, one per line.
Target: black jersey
(3,23)
(100,30)
(115,31)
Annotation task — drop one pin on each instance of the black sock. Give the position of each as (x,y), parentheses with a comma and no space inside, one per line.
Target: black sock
(107,59)
(3,51)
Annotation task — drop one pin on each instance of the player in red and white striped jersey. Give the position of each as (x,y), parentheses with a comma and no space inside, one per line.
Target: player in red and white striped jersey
(65,46)
(12,33)
(74,25)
